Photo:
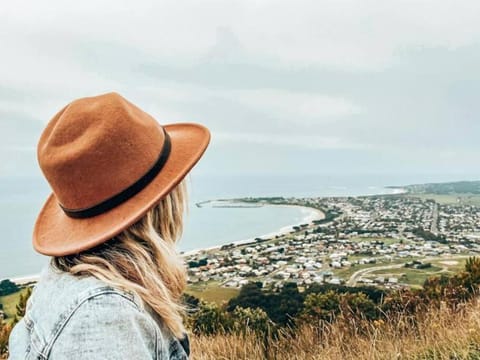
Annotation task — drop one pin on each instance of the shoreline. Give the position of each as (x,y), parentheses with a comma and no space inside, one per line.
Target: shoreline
(397,190)
(314,214)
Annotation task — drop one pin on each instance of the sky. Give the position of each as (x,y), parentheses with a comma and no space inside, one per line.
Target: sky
(327,87)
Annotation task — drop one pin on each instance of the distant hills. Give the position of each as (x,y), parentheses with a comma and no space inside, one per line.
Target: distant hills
(457,187)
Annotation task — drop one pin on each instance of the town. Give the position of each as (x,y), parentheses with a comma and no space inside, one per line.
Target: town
(388,241)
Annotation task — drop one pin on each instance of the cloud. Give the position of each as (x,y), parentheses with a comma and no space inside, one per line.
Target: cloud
(346,34)
(290,107)
(297,106)
(306,141)
(371,82)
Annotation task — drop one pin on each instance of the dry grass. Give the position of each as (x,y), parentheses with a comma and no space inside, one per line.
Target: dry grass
(440,334)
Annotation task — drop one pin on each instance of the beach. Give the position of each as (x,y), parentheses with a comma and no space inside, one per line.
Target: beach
(312,215)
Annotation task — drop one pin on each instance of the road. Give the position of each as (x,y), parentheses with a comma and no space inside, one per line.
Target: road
(353,279)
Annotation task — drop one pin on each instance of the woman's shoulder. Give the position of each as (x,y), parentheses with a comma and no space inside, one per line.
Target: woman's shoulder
(59,290)
(64,307)
(69,315)
(58,296)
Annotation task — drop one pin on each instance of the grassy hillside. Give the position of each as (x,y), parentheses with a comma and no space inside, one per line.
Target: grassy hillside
(439,334)
(450,193)
(457,187)
(449,199)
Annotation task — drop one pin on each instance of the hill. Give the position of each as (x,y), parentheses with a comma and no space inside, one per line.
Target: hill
(439,321)
(441,334)
(448,188)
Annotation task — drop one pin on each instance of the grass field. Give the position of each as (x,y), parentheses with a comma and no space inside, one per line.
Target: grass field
(439,334)
(409,276)
(453,266)
(212,292)
(9,303)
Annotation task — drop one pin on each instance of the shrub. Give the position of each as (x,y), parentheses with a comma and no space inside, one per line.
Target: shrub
(210,319)
(246,319)
(321,307)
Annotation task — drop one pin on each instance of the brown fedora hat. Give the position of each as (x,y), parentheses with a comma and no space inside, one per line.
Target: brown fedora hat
(107,162)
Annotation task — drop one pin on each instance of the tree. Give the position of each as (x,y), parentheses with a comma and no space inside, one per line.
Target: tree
(250,296)
(472,269)
(358,306)
(373,293)
(8,287)
(193,264)
(245,319)
(210,319)
(285,305)
(190,301)
(321,306)
(434,286)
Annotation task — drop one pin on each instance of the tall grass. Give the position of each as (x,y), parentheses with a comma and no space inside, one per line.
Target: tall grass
(436,334)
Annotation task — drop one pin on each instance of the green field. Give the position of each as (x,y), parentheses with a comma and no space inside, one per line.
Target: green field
(346,272)
(452,266)
(212,292)
(450,199)
(409,276)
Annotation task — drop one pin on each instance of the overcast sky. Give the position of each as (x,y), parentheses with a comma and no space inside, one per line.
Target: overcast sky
(285,86)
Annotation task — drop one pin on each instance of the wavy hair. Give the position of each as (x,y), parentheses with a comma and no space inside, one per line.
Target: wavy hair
(143,259)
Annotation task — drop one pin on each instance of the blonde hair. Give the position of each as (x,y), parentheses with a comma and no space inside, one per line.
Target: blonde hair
(143,259)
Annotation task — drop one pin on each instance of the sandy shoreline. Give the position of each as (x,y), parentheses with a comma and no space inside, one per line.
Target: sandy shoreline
(313,214)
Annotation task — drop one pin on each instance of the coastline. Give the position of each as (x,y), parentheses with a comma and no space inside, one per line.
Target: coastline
(314,214)
(397,190)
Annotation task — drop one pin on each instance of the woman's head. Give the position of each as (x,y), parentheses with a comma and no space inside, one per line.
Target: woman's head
(143,259)
(107,162)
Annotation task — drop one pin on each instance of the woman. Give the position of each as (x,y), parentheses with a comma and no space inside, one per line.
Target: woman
(113,286)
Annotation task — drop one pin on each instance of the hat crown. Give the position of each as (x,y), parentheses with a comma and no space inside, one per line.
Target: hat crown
(96,147)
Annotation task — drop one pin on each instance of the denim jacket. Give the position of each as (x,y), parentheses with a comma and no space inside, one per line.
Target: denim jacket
(71,317)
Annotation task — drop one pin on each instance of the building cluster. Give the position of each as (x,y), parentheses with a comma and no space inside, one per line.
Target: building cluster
(460,223)
(367,231)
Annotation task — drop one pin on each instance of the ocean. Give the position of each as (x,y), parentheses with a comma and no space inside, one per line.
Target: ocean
(21,199)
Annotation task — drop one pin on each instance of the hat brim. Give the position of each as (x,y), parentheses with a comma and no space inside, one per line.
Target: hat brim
(56,234)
